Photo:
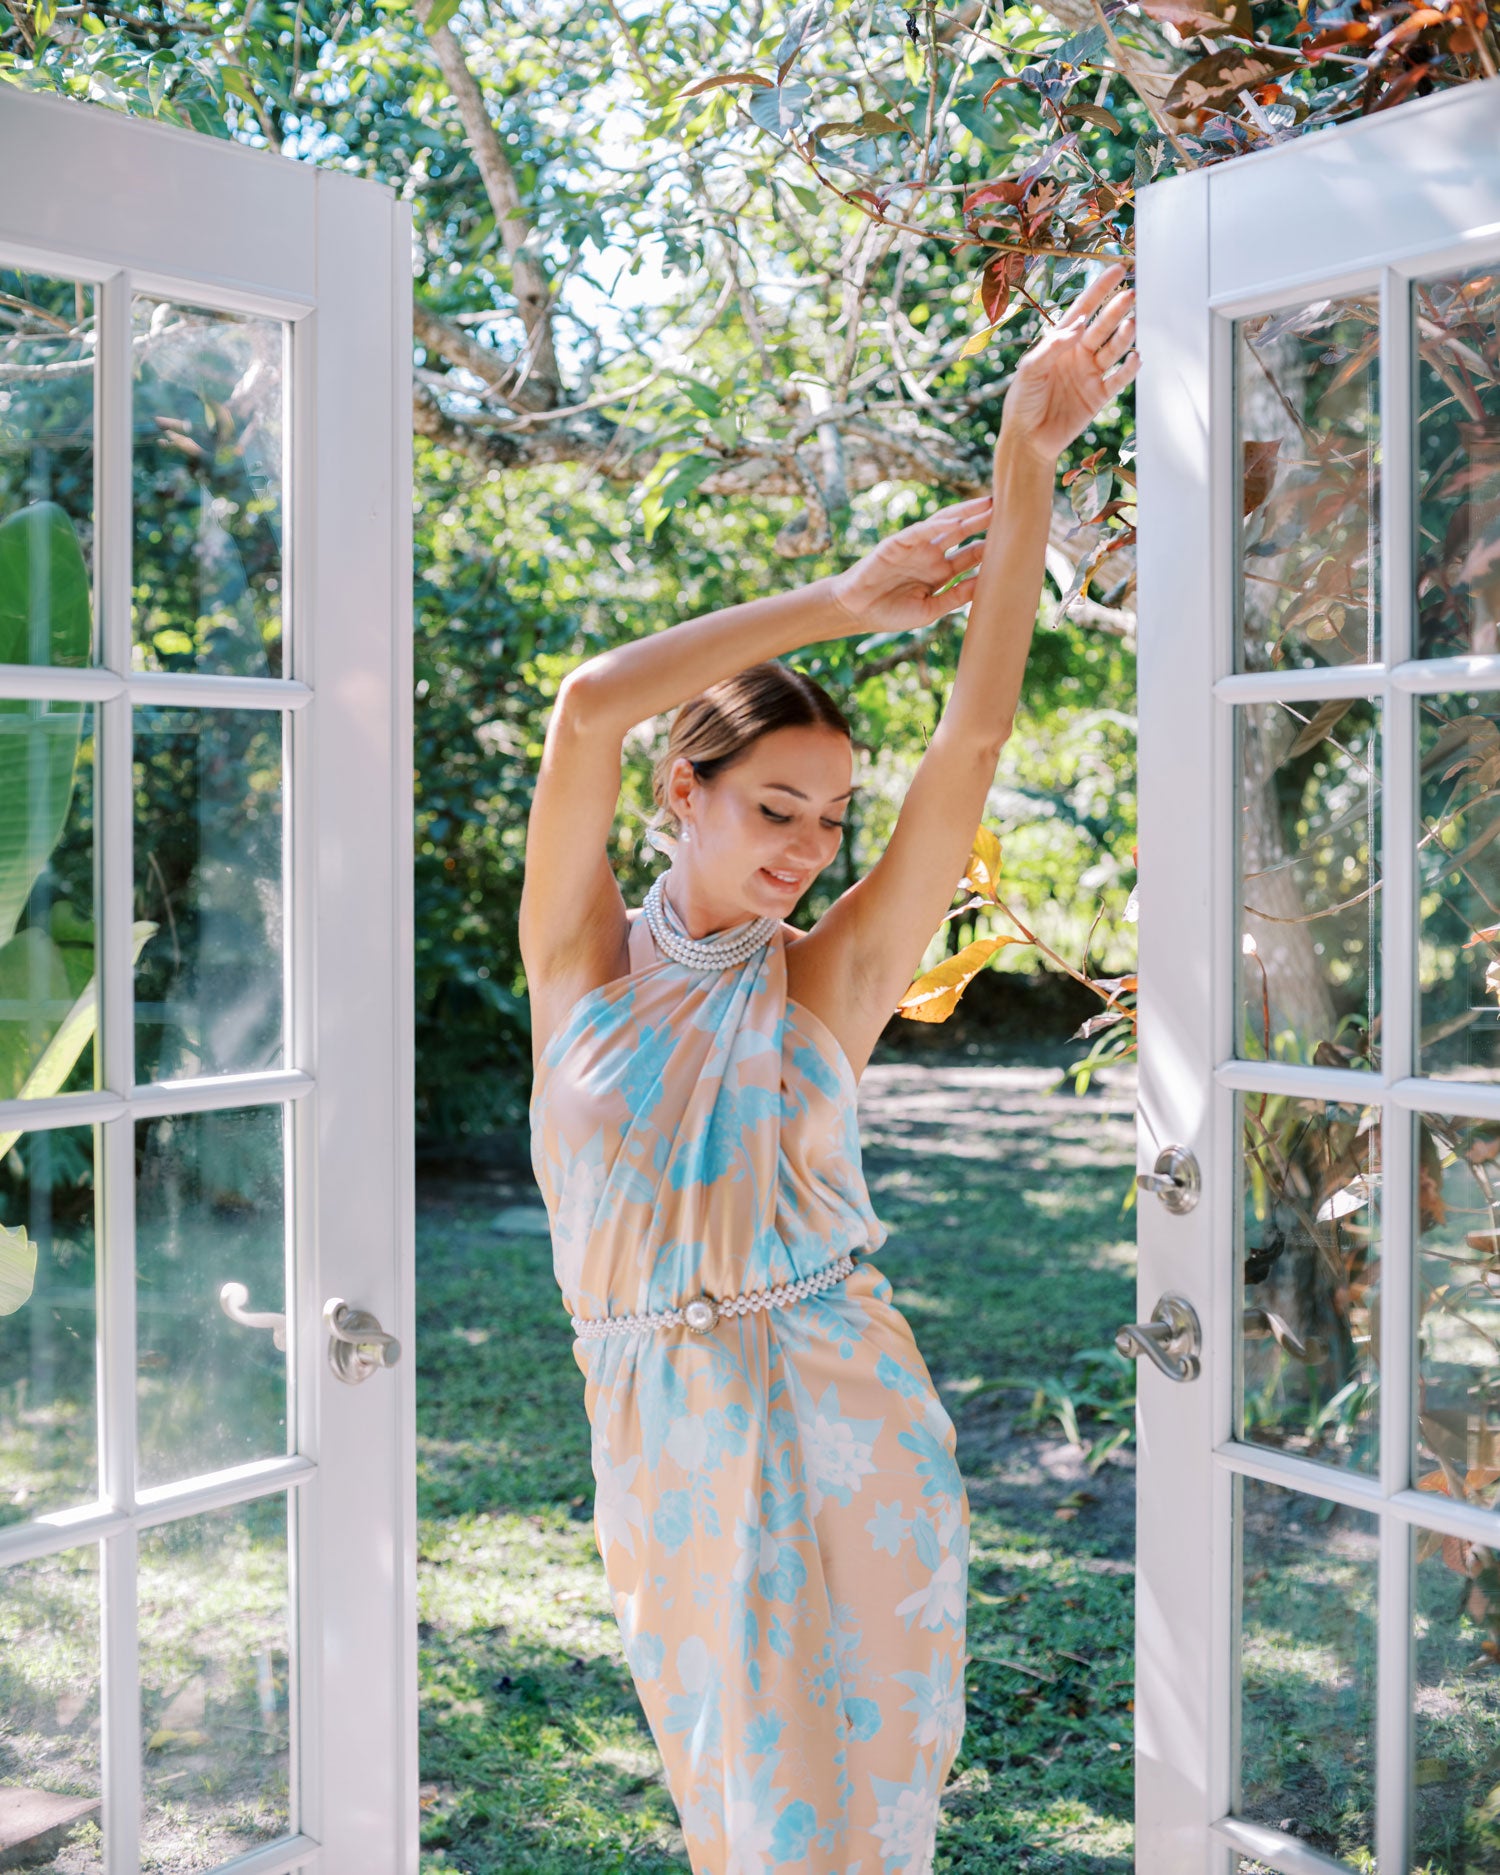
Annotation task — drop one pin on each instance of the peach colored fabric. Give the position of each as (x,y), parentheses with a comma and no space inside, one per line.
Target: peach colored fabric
(783,1527)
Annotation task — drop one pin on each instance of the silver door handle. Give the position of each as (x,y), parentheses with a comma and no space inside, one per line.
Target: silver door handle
(1176,1179)
(1283,1334)
(232,1300)
(1172,1340)
(357,1345)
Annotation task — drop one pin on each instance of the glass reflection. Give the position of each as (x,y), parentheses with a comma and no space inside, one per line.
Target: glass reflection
(46,469)
(1310,1257)
(1457,325)
(1456,1743)
(1308,433)
(209,398)
(1307,1667)
(47,991)
(210,1210)
(1458,1319)
(1459,881)
(215,1649)
(208,876)
(49,1714)
(48,1430)
(1310,921)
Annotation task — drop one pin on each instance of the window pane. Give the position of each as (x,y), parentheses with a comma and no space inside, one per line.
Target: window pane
(49,1713)
(46,469)
(47,1002)
(209,572)
(1309,845)
(1456,1747)
(1309,496)
(1307,1673)
(1310,1248)
(1457,325)
(208,877)
(1458,1320)
(48,1429)
(210,1211)
(1458,858)
(215,1651)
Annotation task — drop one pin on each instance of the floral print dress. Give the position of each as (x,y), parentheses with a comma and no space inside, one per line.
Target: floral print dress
(782,1523)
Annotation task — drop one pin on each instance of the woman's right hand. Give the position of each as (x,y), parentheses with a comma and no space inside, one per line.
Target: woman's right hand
(896,586)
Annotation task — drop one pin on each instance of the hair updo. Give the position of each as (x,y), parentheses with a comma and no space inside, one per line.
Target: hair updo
(716,728)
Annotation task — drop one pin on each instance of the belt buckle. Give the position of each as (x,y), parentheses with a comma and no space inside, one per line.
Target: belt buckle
(701,1315)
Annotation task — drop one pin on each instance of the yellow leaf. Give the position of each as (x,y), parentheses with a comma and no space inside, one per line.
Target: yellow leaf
(983,875)
(976,341)
(17,1268)
(934,997)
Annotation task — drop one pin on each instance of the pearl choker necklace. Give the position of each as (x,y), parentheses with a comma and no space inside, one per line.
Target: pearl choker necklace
(710,953)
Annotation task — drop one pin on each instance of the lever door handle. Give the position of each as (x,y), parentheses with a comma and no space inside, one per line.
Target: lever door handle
(1283,1334)
(1172,1340)
(357,1345)
(232,1300)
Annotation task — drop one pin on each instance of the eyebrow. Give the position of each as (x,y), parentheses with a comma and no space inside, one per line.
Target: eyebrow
(785,788)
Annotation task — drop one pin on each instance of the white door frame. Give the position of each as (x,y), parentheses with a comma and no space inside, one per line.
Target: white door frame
(133,205)
(1369,205)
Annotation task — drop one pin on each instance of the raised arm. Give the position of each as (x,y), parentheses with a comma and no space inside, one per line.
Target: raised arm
(862,954)
(572,922)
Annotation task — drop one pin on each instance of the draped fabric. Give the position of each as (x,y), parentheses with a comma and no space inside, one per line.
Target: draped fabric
(782,1523)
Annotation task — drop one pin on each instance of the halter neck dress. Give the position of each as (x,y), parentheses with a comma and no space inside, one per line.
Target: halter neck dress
(782,1523)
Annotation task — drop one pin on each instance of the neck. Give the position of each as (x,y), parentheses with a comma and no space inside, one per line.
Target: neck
(701,915)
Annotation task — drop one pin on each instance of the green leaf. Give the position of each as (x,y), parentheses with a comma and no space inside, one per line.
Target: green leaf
(45,618)
(781,109)
(59,1057)
(1086,48)
(17,1268)
(441,12)
(45,615)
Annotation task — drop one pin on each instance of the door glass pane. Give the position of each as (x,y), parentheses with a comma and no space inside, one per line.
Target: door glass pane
(50,1792)
(1309,497)
(1457,326)
(1458,1322)
(1310,1254)
(210,1211)
(1456,1746)
(1307,1667)
(47,1004)
(1458,858)
(209,490)
(215,1651)
(1309,872)
(208,879)
(46,469)
(48,1431)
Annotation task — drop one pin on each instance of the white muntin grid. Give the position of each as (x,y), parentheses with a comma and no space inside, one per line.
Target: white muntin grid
(1394,685)
(114,690)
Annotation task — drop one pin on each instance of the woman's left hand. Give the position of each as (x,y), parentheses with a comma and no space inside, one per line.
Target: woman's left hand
(1074,369)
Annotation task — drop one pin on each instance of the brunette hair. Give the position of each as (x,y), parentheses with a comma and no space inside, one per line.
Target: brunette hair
(716,728)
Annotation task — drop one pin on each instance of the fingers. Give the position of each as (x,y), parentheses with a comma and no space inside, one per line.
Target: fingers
(960,559)
(1108,320)
(1116,380)
(1114,348)
(1096,293)
(952,597)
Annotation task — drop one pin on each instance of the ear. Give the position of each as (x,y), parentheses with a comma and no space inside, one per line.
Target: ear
(680,784)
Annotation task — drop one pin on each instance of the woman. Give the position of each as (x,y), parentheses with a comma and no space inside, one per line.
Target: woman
(783,1527)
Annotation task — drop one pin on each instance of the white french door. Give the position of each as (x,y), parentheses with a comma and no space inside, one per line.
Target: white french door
(1319,1551)
(207,1633)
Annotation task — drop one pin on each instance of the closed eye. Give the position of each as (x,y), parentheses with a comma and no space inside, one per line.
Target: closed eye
(782,819)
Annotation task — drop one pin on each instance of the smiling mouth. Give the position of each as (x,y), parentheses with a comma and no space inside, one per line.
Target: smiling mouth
(787,883)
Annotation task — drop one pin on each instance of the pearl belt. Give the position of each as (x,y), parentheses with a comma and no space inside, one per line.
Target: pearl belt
(703,1312)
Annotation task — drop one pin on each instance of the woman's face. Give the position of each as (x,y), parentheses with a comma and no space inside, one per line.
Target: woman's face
(760,832)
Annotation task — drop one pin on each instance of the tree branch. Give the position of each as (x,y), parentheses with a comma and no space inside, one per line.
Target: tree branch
(533,295)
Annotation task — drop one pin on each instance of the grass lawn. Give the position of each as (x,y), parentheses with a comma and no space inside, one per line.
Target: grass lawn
(1009,1251)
